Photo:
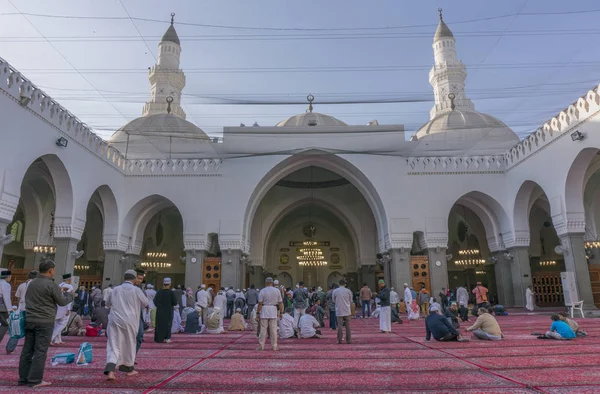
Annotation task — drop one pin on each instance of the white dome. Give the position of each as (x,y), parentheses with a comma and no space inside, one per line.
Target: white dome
(311,119)
(466,125)
(159,125)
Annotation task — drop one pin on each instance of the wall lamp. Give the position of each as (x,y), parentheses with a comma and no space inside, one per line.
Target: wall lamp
(62,142)
(577,135)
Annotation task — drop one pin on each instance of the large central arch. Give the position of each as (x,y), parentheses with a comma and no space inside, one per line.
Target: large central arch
(330,162)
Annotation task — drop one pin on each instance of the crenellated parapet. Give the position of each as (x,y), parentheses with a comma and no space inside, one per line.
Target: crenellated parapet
(563,123)
(173,167)
(456,164)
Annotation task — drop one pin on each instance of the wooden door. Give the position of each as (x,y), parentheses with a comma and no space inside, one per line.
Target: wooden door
(595,281)
(211,272)
(547,287)
(420,272)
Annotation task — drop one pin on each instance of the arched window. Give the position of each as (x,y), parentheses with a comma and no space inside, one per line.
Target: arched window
(16,229)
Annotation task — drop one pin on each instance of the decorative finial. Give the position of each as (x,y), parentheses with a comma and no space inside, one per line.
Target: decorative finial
(440,11)
(310,99)
(173,18)
(169,101)
(451,96)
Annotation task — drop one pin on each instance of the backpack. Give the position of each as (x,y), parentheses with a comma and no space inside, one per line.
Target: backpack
(92,330)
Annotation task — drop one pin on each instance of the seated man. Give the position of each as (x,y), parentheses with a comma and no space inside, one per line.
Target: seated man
(318,311)
(452,315)
(213,322)
(396,316)
(438,326)
(176,326)
(486,327)
(286,325)
(308,326)
(74,326)
(192,322)
(558,330)
(237,321)
(573,324)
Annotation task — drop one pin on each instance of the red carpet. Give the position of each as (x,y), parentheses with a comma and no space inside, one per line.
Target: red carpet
(374,362)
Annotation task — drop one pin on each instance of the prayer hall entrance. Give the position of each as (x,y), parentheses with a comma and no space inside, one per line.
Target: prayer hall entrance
(314,226)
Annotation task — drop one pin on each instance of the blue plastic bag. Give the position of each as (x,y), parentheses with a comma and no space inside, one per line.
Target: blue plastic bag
(16,324)
(63,358)
(84,356)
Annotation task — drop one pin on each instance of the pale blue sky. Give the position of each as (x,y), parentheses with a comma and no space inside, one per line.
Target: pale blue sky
(522,68)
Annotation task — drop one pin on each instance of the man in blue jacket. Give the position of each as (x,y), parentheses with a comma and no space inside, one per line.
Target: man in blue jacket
(441,329)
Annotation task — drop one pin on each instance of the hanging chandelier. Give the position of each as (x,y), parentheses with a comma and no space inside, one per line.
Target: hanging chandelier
(592,244)
(47,247)
(156,255)
(468,252)
(311,255)
(479,272)
(547,263)
(155,264)
(81,267)
(470,262)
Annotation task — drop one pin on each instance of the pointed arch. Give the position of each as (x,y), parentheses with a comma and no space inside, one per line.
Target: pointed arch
(109,210)
(580,172)
(327,161)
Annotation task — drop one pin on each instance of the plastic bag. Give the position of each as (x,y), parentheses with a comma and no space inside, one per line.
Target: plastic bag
(16,324)
(63,358)
(84,356)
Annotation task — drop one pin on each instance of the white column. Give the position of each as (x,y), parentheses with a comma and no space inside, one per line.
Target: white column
(438,270)
(64,259)
(231,268)
(576,262)
(521,274)
(400,268)
(504,283)
(194,259)
(112,273)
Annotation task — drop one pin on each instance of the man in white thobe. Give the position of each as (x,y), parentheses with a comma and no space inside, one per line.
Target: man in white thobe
(62,313)
(407,296)
(462,296)
(286,325)
(106,292)
(202,300)
(530,298)
(220,302)
(269,301)
(394,299)
(125,302)
(308,326)
(342,299)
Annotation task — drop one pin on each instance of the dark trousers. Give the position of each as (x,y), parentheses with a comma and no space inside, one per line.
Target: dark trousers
(463,312)
(332,319)
(249,310)
(110,367)
(229,309)
(449,337)
(341,322)
(35,350)
(366,307)
(140,336)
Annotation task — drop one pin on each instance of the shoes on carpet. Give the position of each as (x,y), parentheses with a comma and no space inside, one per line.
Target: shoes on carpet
(168,341)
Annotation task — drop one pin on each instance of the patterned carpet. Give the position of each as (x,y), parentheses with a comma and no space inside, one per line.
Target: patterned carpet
(399,362)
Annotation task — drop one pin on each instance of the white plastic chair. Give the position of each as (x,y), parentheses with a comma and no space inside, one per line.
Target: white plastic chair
(576,305)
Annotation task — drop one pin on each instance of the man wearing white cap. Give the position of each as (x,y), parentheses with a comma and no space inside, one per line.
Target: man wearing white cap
(164,300)
(407,295)
(125,302)
(270,307)
(202,300)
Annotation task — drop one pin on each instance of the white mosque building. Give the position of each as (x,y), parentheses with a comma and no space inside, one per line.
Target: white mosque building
(310,198)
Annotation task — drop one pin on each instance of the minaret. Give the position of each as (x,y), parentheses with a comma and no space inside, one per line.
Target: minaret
(166,78)
(448,74)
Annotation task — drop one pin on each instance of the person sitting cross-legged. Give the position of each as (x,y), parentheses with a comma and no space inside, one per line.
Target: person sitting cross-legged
(573,324)
(452,315)
(558,330)
(308,325)
(486,327)
(286,324)
(437,325)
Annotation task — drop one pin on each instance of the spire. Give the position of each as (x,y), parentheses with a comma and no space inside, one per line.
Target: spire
(442,30)
(171,35)
(310,99)
(448,75)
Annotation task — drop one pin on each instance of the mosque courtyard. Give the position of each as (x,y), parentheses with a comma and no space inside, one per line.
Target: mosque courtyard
(399,362)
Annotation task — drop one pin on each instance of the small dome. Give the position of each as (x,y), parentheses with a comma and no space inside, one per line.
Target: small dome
(171,35)
(161,125)
(311,119)
(466,125)
(442,31)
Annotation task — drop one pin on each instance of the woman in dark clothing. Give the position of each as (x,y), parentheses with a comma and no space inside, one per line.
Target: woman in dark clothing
(164,300)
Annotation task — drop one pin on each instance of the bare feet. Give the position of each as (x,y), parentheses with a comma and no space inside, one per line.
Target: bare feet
(42,384)
(111,376)
(132,373)
(275,349)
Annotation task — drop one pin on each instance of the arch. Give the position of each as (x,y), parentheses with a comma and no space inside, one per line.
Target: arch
(334,277)
(327,161)
(136,220)
(107,205)
(289,206)
(575,182)
(286,280)
(527,195)
(63,189)
(492,215)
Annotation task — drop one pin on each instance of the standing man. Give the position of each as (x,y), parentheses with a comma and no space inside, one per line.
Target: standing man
(139,279)
(407,296)
(106,292)
(385,316)
(423,300)
(462,296)
(43,295)
(82,301)
(300,298)
(269,303)
(165,300)
(62,314)
(230,295)
(481,298)
(251,299)
(365,300)
(125,302)
(5,303)
(20,294)
(342,299)
(202,300)
(394,299)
